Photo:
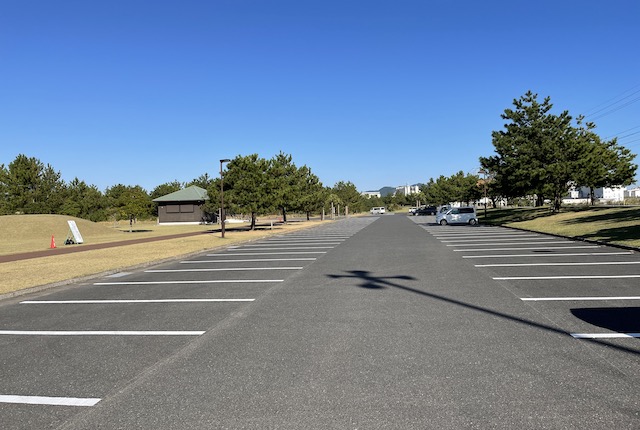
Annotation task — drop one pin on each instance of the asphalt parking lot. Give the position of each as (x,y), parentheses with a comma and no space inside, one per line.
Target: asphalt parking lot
(373,322)
(586,290)
(65,350)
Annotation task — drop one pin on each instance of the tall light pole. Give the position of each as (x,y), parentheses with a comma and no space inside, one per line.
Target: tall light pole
(222,214)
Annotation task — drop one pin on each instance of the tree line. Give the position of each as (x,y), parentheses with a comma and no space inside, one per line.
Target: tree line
(540,155)
(252,186)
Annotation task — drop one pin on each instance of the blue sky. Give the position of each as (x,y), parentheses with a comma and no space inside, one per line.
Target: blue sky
(374,92)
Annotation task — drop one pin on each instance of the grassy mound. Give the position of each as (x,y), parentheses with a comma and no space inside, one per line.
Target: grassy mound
(24,233)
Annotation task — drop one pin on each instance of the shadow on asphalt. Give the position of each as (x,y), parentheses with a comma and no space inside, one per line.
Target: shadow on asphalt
(621,320)
(373,282)
(613,317)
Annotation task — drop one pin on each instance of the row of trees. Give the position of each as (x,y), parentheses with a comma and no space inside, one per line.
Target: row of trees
(253,186)
(257,186)
(459,187)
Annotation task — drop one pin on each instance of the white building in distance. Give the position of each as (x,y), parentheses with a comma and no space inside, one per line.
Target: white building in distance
(604,194)
(406,190)
(370,194)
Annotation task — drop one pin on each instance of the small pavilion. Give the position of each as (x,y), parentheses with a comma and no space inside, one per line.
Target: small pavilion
(184,206)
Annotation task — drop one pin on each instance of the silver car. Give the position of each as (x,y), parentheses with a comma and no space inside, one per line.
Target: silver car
(463,215)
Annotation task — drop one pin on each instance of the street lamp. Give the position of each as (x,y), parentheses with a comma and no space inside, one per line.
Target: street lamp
(222,217)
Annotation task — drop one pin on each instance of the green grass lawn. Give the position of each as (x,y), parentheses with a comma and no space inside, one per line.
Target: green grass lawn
(620,225)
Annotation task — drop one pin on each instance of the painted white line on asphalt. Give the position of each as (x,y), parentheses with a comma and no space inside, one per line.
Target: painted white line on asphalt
(604,335)
(99,333)
(216,281)
(483,234)
(299,237)
(502,243)
(525,249)
(225,269)
(119,275)
(254,260)
(318,235)
(289,248)
(570,299)
(304,241)
(478,233)
(547,278)
(309,239)
(245,254)
(294,244)
(508,239)
(601,263)
(575,254)
(52,401)
(76,302)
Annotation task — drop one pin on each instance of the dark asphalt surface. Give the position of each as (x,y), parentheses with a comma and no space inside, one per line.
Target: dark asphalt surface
(390,327)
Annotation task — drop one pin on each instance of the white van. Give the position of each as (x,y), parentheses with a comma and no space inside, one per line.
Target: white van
(463,215)
(377,211)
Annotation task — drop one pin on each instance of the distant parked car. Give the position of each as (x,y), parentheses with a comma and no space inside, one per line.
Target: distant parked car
(463,215)
(412,210)
(426,210)
(378,211)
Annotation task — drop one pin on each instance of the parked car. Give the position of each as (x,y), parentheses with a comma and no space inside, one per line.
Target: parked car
(412,210)
(463,215)
(426,210)
(378,211)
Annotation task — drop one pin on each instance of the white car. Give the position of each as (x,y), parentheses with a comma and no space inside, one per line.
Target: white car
(463,215)
(378,211)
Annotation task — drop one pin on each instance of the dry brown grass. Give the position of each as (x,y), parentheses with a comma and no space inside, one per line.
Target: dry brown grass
(24,233)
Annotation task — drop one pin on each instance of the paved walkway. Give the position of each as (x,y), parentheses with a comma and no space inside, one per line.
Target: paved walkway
(68,249)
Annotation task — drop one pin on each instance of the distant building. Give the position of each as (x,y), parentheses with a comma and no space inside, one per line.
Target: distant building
(604,194)
(406,190)
(632,193)
(183,207)
(370,194)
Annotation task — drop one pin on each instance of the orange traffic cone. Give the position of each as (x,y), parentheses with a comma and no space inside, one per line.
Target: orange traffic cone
(53,242)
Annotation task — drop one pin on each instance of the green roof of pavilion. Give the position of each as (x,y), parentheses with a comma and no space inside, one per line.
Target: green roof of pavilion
(189,194)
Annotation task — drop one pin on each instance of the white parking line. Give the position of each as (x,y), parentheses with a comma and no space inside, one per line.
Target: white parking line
(604,335)
(575,254)
(303,242)
(601,263)
(524,249)
(74,302)
(216,281)
(569,299)
(547,278)
(255,260)
(500,242)
(99,333)
(294,244)
(52,401)
(479,233)
(245,254)
(226,269)
(508,239)
(288,248)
